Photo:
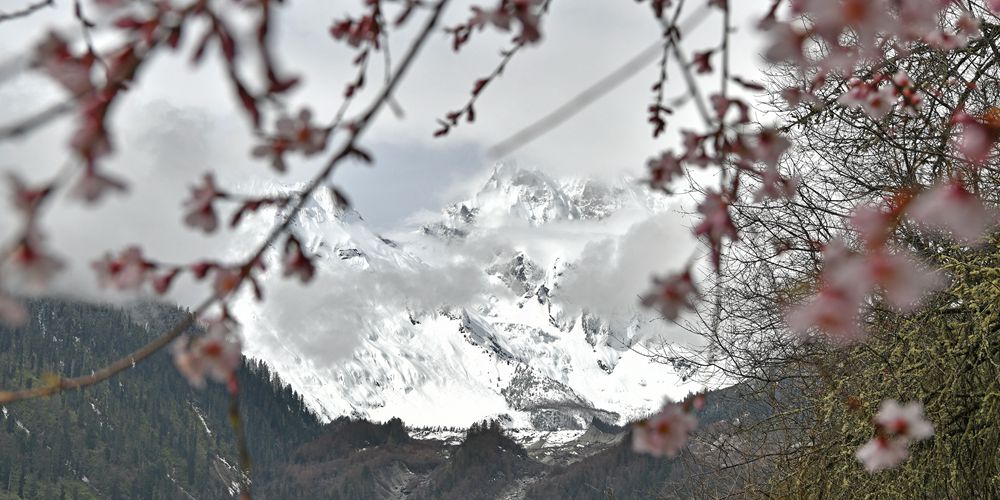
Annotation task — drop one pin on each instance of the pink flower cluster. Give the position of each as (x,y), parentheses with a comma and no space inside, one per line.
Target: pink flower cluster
(672,294)
(978,135)
(848,277)
(201,211)
(526,13)
(358,32)
(854,31)
(896,428)
(666,432)
(11,311)
(292,135)
(857,33)
(744,150)
(296,262)
(130,270)
(878,97)
(216,354)
(55,57)
(30,259)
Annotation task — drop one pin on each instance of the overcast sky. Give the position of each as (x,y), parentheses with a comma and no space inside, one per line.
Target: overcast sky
(185,121)
(182,122)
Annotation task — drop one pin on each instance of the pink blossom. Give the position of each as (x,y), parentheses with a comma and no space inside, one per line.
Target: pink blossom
(364,30)
(496,17)
(716,223)
(786,44)
(768,145)
(292,134)
(216,354)
(904,89)
(919,17)
(977,139)
(967,27)
(126,272)
(904,421)
(882,453)
(12,312)
(665,433)
(301,134)
(722,104)
(54,57)
(296,262)
(848,278)
(702,61)
(200,269)
(528,12)
(880,102)
(27,199)
(161,283)
(902,79)
(833,311)
(32,263)
(774,186)
(93,185)
(201,212)
(903,281)
(226,280)
(694,150)
(275,149)
(664,169)
(873,224)
(897,427)
(950,207)
(672,295)
(857,93)
(90,140)
(866,18)
(793,95)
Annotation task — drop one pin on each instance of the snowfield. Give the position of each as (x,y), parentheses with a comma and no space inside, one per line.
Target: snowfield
(519,303)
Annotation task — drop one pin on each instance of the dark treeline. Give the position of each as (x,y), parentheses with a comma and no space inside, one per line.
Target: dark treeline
(145,433)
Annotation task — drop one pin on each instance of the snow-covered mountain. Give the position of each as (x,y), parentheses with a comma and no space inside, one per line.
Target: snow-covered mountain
(483,311)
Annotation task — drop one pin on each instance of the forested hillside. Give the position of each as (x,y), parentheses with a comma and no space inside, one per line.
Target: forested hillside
(359,460)
(146,434)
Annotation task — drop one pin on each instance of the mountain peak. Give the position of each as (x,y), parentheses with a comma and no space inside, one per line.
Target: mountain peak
(483,328)
(527,194)
(513,194)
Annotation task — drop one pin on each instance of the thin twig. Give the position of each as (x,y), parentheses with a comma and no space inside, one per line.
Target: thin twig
(591,94)
(692,85)
(26,11)
(120,365)
(349,148)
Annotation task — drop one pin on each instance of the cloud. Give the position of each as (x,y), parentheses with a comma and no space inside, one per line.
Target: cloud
(326,320)
(180,122)
(611,274)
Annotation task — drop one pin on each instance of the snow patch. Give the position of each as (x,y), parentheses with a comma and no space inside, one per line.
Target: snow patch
(201,417)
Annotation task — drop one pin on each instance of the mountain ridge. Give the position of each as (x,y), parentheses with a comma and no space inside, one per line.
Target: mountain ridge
(447,314)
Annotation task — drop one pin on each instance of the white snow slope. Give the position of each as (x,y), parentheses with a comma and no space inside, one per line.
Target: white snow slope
(519,303)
